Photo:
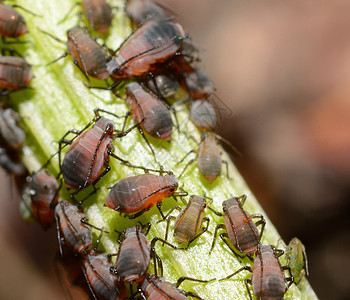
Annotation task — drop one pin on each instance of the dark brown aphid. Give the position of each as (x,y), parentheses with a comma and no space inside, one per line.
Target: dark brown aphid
(12,24)
(99,14)
(140,11)
(268,279)
(15,74)
(203,115)
(138,194)
(87,54)
(102,284)
(43,190)
(148,111)
(71,228)
(240,229)
(11,134)
(153,43)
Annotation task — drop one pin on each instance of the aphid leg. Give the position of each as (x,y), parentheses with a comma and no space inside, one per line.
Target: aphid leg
(85,221)
(228,143)
(136,215)
(183,278)
(241,199)
(178,208)
(247,268)
(290,278)
(80,202)
(224,237)
(246,282)
(193,295)
(227,172)
(26,10)
(220,226)
(204,229)
(159,206)
(188,163)
(82,70)
(149,145)
(59,238)
(10,51)
(261,222)
(87,279)
(215,212)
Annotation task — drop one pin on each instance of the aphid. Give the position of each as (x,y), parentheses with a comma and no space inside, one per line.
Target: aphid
(188,224)
(203,115)
(12,24)
(71,228)
(102,284)
(138,194)
(297,260)
(167,86)
(268,279)
(152,115)
(140,11)
(11,163)
(153,43)
(11,134)
(99,14)
(43,189)
(240,229)
(15,74)
(197,83)
(87,54)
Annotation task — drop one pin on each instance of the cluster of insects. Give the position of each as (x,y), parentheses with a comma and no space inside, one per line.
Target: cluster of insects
(153,63)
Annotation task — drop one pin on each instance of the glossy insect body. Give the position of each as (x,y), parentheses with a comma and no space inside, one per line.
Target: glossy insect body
(12,135)
(153,43)
(87,156)
(297,259)
(99,14)
(77,236)
(86,53)
(133,256)
(15,73)
(137,193)
(142,10)
(43,190)
(12,24)
(203,115)
(144,106)
(102,283)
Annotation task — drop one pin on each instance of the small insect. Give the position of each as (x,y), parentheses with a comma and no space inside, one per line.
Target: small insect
(197,83)
(11,134)
(71,228)
(188,224)
(12,24)
(140,11)
(240,229)
(148,111)
(43,190)
(168,87)
(297,260)
(15,74)
(87,54)
(268,279)
(102,284)
(11,162)
(153,43)
(203,115)
(138,194)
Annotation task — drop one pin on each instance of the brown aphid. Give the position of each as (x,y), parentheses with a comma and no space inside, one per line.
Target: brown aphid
(11,134)
(203,115)
(152,115)
(140,11)
(43,190)
(12,24)
(138,194)
(268,279)
(153,43)
(102,284)
(71,229)
(197,84)
(15,74)
(240,229)
(133,257)
(99,14)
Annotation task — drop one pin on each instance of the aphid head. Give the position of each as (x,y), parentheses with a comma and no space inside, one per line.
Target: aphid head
(172,183)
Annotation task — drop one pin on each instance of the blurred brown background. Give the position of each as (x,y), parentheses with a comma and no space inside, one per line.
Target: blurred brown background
(283,69)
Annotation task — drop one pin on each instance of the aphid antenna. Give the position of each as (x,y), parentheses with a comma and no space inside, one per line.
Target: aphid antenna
(84,220)
(228,143)
(26,10)
(52,36)
(183,278)
(246,268)
(68,13)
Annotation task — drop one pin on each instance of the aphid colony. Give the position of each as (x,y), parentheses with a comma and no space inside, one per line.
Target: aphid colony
(157,60)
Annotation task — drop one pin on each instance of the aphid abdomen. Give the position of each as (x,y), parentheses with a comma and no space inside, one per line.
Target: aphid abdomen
(12,24)
(99,14)
(134,256)
(190,220)
(203,115)
(141,10)
(103,283)
(242,232)
(77,236)
(157,118)
(209,160)
(267,277)
(15,73)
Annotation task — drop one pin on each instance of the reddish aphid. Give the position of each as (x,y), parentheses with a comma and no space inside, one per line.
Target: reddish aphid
(152,115)
(153,43)
(12,24)
(99,14)
(268,279)
(140,11)
(138,194)
(203,115)
(240,229)
(43,190)
(103,285)
(197,84)
(15,74)
(71,228)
